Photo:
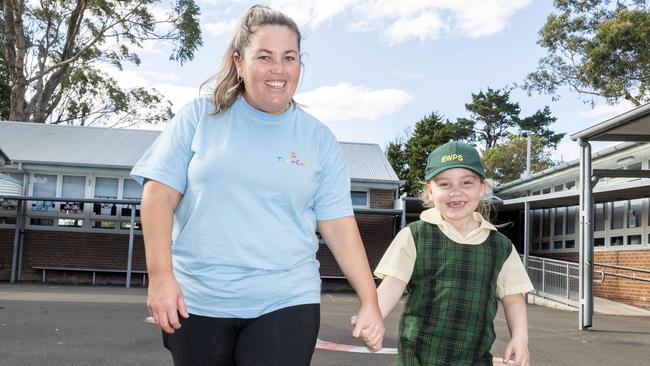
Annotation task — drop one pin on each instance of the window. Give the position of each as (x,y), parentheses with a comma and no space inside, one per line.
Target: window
(546,245)
(558,188)
(359,198)
(634,239)
(616,241)
(599,217)
(44,186)
(557,244)
(559,221)
(73,187)
(569,185)
(105,188)
(131,190)
(618,211)
(546,190)
(635,166)
(8,205)
(570,244)
(634,213)
(537,217)
(546,222)
(599,242)
(571,219)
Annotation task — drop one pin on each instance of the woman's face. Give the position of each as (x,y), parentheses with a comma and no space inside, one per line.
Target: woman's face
(270,68)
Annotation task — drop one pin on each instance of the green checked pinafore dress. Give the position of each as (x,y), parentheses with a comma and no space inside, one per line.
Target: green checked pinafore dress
(452,302)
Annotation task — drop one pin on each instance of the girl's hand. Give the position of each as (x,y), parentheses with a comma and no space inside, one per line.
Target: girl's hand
(368,327)
(518,348)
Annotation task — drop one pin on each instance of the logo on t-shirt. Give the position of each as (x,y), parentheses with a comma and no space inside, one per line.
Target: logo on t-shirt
(292,158)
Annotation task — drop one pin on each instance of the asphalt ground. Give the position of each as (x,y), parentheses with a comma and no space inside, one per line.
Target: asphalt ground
(74,326)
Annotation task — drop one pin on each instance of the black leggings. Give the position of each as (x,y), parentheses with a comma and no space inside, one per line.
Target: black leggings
(280,338)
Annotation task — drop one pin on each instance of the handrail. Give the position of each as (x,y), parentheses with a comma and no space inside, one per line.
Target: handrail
(622,267)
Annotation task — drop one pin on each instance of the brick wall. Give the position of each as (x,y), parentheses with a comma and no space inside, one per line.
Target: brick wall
(625,290)
(382,198)
(70,249)
(377,232)
(6,253)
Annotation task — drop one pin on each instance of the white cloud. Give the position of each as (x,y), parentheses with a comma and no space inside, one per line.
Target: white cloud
(602,112)
(426,25)
(346,101)
(221,28)
(402,20)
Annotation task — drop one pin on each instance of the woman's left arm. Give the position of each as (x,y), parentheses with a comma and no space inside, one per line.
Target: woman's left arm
(343,240)
(514,307)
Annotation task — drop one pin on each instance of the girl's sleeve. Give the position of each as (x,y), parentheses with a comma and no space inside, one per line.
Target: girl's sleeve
(399,259)
(513,278)
(332,199)
(167,159)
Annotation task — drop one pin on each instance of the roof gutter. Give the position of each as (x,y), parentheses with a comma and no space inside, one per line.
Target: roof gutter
(611,123)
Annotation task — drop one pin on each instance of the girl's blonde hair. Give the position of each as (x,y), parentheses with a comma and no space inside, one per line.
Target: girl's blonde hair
(228,87)
(484,208)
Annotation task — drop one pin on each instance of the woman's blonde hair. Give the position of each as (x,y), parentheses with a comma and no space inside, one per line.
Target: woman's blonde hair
(484,208)
(227,86)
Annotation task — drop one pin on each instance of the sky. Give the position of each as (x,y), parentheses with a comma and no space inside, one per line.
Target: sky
(374,68)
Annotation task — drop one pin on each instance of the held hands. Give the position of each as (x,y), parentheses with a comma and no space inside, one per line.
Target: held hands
(519,349)
(369,327)
(165,301)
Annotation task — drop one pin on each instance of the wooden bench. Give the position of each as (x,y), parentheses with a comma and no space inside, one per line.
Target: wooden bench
(93,270)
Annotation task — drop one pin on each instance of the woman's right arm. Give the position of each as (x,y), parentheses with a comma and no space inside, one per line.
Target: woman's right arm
(164,296)
(389,292)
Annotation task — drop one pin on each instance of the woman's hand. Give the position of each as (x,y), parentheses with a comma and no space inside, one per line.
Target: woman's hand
(369,327)
(165,301)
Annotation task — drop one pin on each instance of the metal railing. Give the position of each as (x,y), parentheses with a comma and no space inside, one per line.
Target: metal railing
(559,280)
(629,273)
(555,279)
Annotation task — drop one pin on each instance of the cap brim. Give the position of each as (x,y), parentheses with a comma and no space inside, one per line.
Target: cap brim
(435,172)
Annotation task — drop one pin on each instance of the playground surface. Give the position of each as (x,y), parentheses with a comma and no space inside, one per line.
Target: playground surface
(42,324)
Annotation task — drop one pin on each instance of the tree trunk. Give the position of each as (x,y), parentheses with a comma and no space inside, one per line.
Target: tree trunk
(15,49)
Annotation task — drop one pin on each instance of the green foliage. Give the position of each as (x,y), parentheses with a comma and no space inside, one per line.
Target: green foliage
(69,41)
(507,162)
(494,118)
(492,115)
(409,157)
(599,48)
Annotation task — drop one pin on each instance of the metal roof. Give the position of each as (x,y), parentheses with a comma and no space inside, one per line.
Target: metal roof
(38,143)
(632,125)
(574,164)
(367,162)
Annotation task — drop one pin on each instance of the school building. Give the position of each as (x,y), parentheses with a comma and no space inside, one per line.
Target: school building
(565,204)
(66,202)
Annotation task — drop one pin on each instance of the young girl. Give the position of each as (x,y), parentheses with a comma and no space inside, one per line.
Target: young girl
(456,265)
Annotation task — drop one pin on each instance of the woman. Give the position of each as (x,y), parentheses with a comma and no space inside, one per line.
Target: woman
(239,183)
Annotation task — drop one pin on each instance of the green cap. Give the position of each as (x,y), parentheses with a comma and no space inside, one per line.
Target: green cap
(454,154)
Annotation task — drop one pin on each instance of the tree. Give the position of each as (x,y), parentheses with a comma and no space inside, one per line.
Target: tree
(53,49)
(5,89)
(408,156)
(494,118)
(507,162)
(598,48)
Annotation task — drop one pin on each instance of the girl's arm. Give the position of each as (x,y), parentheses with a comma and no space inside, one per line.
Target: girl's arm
(389,292)
(343,240)
(514,307)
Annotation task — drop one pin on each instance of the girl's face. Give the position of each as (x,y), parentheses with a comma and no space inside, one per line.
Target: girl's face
(456,193)
(270,68)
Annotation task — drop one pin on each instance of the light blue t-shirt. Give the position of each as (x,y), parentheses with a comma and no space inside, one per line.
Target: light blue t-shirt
(253,185)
